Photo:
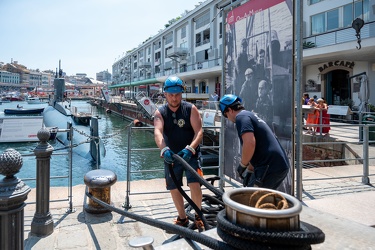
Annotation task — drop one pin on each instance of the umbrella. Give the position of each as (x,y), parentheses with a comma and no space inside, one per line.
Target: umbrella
(364,94)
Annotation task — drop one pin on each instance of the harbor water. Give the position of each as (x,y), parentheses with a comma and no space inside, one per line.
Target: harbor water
(114,133)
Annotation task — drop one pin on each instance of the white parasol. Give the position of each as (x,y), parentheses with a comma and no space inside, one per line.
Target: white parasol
(364,94)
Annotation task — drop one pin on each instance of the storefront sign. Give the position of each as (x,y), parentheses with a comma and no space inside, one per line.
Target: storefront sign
(338,110)
(336,63)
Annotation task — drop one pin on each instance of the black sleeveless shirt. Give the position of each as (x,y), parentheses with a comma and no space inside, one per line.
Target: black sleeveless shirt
(177,130)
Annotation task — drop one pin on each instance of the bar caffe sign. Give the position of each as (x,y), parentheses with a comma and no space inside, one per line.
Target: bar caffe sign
(335,64)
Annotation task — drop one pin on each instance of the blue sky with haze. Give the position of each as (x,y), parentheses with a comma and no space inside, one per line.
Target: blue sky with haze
(87,35)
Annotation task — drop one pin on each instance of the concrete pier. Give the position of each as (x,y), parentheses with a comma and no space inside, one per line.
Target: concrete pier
(344,213)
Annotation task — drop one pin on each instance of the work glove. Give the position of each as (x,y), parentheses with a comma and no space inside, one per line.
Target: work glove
(241,170)
(167,154)
(185,154)
(247,177)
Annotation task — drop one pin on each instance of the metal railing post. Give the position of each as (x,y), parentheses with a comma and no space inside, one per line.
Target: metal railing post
(42,224)
(128,170)
(365,177)
(70,192)
(13,193)
(360,116)
(320,121)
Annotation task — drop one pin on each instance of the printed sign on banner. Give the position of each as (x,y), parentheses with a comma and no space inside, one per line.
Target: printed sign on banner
(258,68)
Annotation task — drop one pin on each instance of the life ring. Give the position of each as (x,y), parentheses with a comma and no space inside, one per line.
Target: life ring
(108,111)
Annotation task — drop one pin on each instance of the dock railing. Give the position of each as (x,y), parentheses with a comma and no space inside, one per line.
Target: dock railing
(350,141)
(69,176)
(129,170)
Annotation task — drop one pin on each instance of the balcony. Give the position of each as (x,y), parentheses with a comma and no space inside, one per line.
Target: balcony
(340,36)
(144,65)
(177,52)
(168,65)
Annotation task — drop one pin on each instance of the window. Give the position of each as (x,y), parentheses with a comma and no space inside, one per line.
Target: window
(333,19)
(318,24)
(157,55)
(201,56)
(198,40)
(315,1)
(202,20)
(206,36)
(348,16)
(339,18)
(183,45)
(169,38)
(183,32)
(166,51)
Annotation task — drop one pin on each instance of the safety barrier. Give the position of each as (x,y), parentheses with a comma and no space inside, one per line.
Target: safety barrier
(130,171)
(335,149)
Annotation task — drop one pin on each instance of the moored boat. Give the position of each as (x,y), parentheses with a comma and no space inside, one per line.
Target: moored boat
(34,100)
(23,111)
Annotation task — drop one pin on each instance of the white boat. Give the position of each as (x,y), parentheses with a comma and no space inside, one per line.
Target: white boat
(34,100)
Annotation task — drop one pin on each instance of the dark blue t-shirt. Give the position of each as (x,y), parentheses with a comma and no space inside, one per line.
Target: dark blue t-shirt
(268,150)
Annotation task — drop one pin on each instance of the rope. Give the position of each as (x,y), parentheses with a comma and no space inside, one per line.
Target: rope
(263,199)
(191,234)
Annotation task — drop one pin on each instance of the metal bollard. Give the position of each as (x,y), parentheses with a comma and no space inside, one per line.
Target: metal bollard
(143,241)
(42,224)
(99,182)
(13,193)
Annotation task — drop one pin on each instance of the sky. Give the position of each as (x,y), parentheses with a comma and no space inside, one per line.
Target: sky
(86,35)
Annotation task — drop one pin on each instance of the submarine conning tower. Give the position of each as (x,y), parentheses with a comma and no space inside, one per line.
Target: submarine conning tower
(59,87)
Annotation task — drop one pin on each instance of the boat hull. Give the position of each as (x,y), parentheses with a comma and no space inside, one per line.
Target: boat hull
(23,111)
(53,118)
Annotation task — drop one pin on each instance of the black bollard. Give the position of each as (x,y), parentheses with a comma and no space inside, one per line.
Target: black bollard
(99,182)
(13,193)
(42,224)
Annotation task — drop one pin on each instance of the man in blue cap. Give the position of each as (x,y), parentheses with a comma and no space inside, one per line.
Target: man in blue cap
(178,129)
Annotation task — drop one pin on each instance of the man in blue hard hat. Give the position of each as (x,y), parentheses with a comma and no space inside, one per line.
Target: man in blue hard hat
(178,129)
(264,162)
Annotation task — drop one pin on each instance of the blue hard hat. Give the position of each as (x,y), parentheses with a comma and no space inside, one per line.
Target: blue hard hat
(173,85)
(229,100)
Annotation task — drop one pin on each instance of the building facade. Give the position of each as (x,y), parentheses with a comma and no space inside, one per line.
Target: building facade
(104,76)
(190,48)
(336,59)
(9,77)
